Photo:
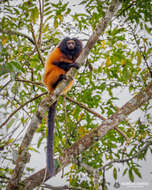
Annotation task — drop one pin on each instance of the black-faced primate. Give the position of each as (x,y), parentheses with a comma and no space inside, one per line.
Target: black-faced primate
(60,60)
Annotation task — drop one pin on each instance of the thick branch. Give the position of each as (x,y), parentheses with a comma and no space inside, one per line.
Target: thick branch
(97,115)
(61,187)
(89,139)
(23,156)
(100,28)
(20,165)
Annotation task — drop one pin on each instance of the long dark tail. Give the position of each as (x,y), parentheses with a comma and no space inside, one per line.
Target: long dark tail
(50,138)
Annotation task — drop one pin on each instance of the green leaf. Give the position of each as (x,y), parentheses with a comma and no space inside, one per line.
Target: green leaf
(137,172)
(148,29)
(56,163)
(55,23)
(10,67)
(34,61)
(115,173)
(139,57)
(40,141)
(45,28)
(29,169)
(34,15)
(131,176)
(10,123)
(124,173)
(33,149)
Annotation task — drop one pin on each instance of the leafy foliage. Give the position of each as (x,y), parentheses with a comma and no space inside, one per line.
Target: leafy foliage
(120,60)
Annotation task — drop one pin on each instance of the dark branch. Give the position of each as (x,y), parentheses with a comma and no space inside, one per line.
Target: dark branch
(11,32)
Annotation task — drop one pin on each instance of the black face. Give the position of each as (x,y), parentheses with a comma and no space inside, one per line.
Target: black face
(71,47)
(70,44)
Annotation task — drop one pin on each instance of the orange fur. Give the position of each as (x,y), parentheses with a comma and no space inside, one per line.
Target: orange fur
(52,72)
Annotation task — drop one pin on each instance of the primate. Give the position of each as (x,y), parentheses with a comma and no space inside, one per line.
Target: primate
(60,60)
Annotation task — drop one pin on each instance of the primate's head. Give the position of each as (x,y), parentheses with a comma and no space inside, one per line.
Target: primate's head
(70,44)
(71,47)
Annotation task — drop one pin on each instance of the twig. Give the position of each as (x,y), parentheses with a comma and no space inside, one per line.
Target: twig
(97,115)
(11,32)
(96,179)
(135,156)
(61,187)
(103,179)
(85,107)
(36,45)
(6,85)
(32,77)
(126,8)
(22,107)
(31,82)
(66,122)
(41,8)
(140,50)
(148,143)
(14,112)
(3,1)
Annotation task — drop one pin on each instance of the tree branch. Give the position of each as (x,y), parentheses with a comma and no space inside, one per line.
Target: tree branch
(61,187)
(41,8)
(148,143)
(100,28)
(36,45)
(85,107)
(89,139)
(11,32)
(44,106)
(29,81)
(97,115)
(5,85)
(140,50)
(20,107)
